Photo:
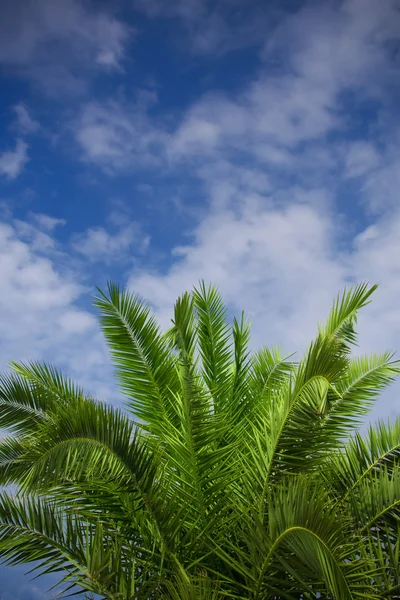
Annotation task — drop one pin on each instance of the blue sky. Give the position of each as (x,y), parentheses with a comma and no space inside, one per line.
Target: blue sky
(254,144)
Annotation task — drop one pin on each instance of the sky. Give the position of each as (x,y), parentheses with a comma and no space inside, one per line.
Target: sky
(253,144)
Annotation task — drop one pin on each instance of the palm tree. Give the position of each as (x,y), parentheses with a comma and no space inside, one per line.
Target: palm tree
(231,474)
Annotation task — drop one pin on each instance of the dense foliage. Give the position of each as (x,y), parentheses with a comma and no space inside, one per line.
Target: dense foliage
(231,474)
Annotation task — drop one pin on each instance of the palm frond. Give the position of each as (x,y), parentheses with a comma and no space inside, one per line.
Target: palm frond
(89,557)
(238,397)
(214,341)
(236,478)
(376,500)
(197,588)
(383,544)
(362,382)
(88,442)
(195,456)
(270,371)
(343,315)
(292,423)
(313,394)
(303,545)
(87,438)
(145,365)
(32,531)
(13,465)
(362,457)
(48,381)
(23,406)
(194,407)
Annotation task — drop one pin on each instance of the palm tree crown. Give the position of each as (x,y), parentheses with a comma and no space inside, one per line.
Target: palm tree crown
(232,474)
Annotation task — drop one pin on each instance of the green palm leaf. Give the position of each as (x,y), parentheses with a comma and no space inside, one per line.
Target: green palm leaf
(362,457)
(214,341)
(234,474)
(145,365)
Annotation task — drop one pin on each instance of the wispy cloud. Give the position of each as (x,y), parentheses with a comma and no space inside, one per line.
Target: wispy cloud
(12,162)
(47,222)
(284,266)
(361,158)
(380,187)
(274,159)
(317,63)
(25,122)
(121,243)
(339,44)
(118,136)
(41,312)
(268,260)
(271,159)
(323,52)
(53,42)
(214,28)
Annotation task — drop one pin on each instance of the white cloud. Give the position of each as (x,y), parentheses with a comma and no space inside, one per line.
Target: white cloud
(271,237)
(267,121)
(283,266)
(283,118)
(116,136)
(268,260)
(76,322)
(26,124)
(279,112)
(97,244)
(111,38)
(51,42)
(12,162)
(322,52)
(375,257)
(32,276)
(278,251)
(361,158)
(338,44)
(38,238)
(42,313)
(381,185)
(46,221)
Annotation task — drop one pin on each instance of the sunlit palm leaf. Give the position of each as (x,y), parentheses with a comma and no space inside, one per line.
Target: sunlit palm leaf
(235,480)
(145,365)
